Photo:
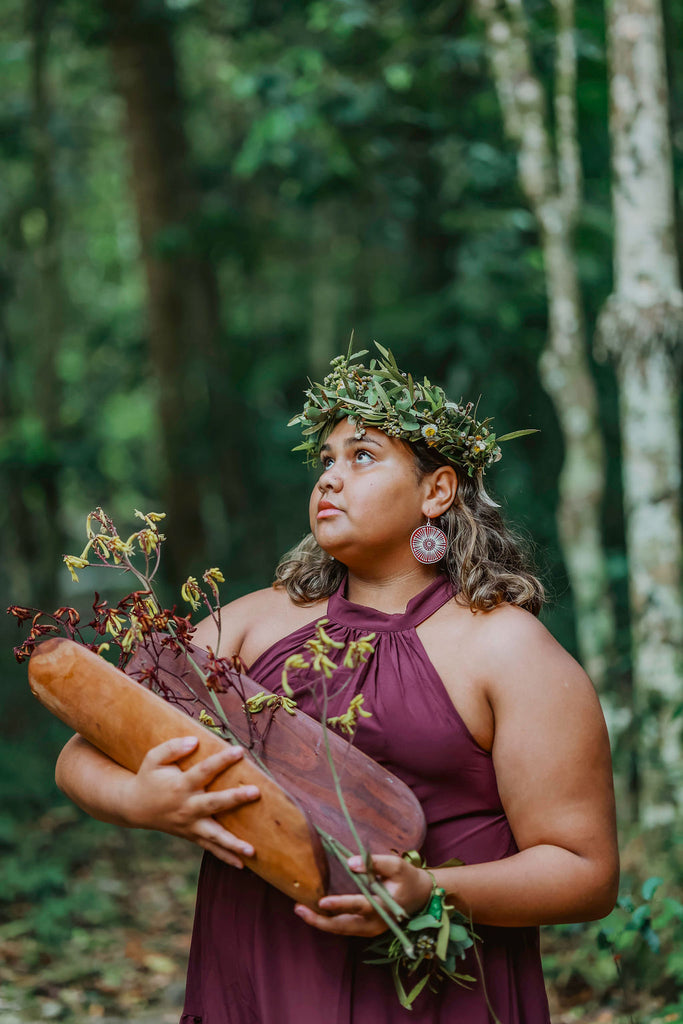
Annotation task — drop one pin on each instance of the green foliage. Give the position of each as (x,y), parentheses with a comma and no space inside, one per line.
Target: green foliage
(645,937)
(633,958)
(350,171)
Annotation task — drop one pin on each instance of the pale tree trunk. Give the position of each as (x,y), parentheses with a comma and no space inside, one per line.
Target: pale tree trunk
(550,178)
(641,328)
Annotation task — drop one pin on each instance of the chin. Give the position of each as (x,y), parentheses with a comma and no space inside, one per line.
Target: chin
(334,550)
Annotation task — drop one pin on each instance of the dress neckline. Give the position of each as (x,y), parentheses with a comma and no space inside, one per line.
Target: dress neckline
(359,616)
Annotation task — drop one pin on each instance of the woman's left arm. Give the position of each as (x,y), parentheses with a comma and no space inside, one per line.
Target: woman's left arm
(552,760)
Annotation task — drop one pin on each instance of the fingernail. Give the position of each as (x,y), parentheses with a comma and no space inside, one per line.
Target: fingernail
(355,863)
(248,851)
(299,911)
(251,791)
(188,742)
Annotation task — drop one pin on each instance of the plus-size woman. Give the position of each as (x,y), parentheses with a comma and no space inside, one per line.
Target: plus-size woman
(473,704)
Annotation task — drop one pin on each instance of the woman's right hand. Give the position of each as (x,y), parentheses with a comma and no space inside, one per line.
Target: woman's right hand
(162,796)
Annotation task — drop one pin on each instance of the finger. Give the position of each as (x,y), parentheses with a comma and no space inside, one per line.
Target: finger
(386,865)
(202,773)
(220,853)
(219,800)
(170,751)
(354,903)
(210,831)
(344,924)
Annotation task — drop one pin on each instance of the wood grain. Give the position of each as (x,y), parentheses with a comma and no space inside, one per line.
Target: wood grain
(124,720)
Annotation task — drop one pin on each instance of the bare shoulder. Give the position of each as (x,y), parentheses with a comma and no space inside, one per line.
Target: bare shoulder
(502,661)
(252,623)
(518,654)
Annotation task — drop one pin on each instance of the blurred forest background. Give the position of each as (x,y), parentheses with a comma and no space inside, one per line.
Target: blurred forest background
(199,202)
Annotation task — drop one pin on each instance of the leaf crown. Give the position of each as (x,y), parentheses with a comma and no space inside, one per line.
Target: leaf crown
(384,397)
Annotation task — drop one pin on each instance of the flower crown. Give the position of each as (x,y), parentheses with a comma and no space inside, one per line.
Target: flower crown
(382,396)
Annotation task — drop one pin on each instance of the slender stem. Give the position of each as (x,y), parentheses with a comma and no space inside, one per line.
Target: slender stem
(335,776)
(331,844)
(218,707)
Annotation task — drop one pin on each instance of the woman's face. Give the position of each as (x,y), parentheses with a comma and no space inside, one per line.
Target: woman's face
(368,499)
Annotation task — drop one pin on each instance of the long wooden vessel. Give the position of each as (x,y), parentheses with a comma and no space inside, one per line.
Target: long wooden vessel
(125,719)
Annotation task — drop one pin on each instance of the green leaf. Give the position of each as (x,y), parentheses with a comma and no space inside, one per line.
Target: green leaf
(652,939)
(407,422)
(517,433)
(458,933)
(423,921)
(650,886)
(383,396)
(414,992)
(442,939)
(454,862)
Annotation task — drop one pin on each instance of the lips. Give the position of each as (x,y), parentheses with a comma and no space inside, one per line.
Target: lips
(326,509)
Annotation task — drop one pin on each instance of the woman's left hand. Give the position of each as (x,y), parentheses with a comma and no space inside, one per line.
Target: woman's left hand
(353,915)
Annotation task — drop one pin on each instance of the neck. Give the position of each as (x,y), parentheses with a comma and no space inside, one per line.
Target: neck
(391,592)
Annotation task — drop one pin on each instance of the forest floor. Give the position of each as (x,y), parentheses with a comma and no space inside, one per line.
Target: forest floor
(112,947)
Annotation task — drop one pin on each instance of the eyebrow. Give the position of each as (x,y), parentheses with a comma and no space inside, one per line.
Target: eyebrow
(350,442)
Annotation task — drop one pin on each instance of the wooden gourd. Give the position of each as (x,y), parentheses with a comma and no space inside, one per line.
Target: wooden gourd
(124,720)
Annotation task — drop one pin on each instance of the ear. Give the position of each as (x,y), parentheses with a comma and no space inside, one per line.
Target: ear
(441,489)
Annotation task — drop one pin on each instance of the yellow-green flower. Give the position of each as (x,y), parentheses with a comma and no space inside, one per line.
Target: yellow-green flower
(132,636)
(115,623)
(295,662)
(358,651)
(119,547)
(149,539)
(206,719)
(325,639)
(150,517)
(349,720)
(212,577)
(262,700)
(73,562)
(191,593)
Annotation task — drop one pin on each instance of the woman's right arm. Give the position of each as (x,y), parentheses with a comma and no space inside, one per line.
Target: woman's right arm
(160,796)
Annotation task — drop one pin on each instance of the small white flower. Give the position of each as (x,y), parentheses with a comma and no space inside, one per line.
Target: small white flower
(479,446)
(429,431)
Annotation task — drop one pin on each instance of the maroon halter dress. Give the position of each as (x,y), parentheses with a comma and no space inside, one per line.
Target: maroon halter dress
(253,961)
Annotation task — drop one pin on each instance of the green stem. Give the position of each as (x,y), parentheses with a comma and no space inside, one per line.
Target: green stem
(340,852)
(335,777)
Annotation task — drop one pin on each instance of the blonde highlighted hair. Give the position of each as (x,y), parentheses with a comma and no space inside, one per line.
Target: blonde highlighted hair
(486,562)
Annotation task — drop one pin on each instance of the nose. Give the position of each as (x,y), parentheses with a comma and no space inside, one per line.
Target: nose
(330,480)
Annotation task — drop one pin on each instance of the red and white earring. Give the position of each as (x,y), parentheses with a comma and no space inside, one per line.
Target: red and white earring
(428,543)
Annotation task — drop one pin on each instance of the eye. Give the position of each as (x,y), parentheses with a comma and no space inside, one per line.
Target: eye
(361,455)
(325,462)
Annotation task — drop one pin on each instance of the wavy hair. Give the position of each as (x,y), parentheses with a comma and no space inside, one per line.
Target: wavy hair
(487,563)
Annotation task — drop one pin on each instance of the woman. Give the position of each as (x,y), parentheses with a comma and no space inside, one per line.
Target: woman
(495,727)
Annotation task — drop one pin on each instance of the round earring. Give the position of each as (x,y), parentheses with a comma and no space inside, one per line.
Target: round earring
(428,543)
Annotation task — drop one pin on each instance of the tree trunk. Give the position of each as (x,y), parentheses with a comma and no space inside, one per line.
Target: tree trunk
(641,328)
(38,521)
(328,299)
(551,183)
(183,307)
